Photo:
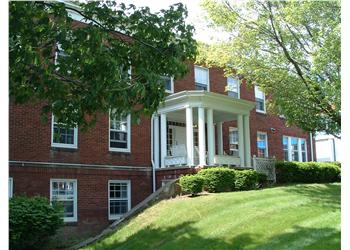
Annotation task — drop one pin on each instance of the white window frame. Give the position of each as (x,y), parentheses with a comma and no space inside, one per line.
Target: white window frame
(75,200)
(171,91)
(128,182)
(10,187)
(300,158)
(267,142)
(63,145)
(128,148)
(238,86)
(229,131)
(194,73)
(256,88)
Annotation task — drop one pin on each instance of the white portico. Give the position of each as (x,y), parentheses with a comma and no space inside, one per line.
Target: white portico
(184,130)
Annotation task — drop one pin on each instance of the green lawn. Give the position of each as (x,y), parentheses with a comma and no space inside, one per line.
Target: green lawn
(289,217)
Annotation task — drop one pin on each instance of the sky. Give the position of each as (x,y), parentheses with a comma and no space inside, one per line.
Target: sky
(195,17)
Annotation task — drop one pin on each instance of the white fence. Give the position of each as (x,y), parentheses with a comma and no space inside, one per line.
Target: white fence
(265,166)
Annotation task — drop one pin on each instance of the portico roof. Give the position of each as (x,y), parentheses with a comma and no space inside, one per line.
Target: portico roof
(205,99)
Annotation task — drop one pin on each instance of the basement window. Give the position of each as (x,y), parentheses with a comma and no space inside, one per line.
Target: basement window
(119,198)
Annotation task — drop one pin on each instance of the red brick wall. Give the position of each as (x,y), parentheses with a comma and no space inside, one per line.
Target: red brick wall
(258,122)
(30,140)
(92,187)
(171,174)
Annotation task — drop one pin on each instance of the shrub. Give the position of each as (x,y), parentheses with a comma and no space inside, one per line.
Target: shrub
(262,179)
(192,184)
(32,220)
(246,179)
(307,172)
(218,179)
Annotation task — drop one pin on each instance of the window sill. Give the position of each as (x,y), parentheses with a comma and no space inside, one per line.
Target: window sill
(261,112)
(116,151)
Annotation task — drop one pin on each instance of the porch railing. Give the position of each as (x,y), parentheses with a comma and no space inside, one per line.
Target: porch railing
(265,166)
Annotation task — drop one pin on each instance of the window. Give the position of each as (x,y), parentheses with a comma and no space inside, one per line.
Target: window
(232,87)
(262,145)
(119,201)
(295,149)
(63,137)
(169,140)
(119,134)
(65,192)
(10,187)
(233,138)
(168,83)
(260,100)
(201,76)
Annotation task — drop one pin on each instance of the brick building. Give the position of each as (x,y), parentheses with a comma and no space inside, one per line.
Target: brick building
(207,119)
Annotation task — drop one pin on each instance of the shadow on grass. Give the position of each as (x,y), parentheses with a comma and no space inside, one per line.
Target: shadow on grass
(186,236)
(325,195)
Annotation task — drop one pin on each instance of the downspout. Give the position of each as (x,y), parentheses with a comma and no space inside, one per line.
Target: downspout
(334,151)
(152,159)
(312,147)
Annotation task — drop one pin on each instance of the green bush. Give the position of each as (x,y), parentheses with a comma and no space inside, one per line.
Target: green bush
(191,184)
(262,179)
(218,179)
(32,220)
(246,179)
(307,172)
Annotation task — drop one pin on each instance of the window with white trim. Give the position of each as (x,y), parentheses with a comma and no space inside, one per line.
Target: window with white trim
(259,100)
(201,78)
(294,149)
(233,139)
(63,137)
(10,187)
(119,198)
(168,83)
(262,144)
(119,134)
(64,191)
(232,87)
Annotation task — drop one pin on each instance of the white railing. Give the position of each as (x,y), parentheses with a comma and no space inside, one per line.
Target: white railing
(265,166)
(226,160)
(178,156)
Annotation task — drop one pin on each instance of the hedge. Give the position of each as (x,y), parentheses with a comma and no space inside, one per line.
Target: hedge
(191,184)
(32,220)
(218,179)
(307,172)
(246,179)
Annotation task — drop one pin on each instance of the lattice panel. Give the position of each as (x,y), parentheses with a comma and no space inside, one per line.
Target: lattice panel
(265,166)
(175,160)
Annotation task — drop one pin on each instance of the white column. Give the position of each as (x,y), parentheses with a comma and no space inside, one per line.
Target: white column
(189,136)
(220,144)
(163,139)
(201,136)
(156,141)
(240,139)
(248,159)
(211,141)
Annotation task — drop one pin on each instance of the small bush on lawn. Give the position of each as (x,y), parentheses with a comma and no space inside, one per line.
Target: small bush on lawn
(32,220)
(218,179)
(307,172)
(191,184)
(246,179)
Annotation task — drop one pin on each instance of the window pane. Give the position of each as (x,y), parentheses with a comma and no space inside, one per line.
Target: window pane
(118,133)
(303,144)
(286,155)
(63,135)
(232,94)
(295,156)
(303,155)
(260,104)
(262,145)
(201,75)
(294,143)
(68,208)
(166,81)
(118,207)
(201,86)
(232,87)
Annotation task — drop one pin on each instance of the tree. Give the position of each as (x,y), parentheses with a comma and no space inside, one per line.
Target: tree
(291,49)
(91,73)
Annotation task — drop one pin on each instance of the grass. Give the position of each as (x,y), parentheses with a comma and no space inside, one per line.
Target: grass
(288,217)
